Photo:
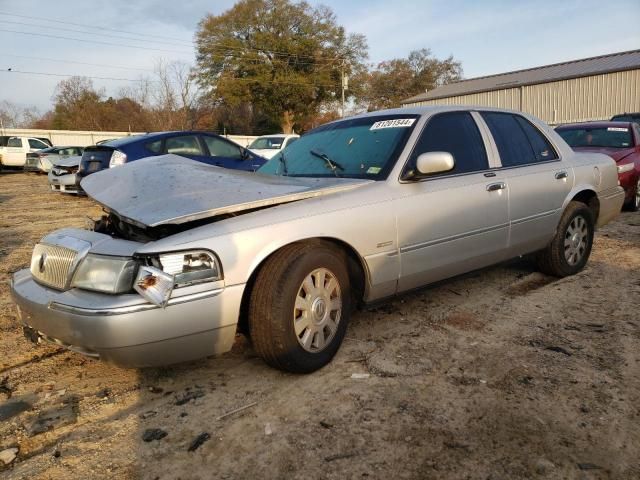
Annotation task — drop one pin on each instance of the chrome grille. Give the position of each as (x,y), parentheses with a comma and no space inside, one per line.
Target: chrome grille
(51,265)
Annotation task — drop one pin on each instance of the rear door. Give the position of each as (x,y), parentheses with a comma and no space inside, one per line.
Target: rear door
(538,180)
(456,221)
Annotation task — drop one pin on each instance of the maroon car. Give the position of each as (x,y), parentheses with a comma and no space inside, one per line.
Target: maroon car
(619,140)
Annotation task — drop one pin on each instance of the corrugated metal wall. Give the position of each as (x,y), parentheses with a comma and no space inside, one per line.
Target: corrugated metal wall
(85,138)
(596,97)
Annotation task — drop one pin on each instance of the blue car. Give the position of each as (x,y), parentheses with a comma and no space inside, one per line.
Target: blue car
(203,147)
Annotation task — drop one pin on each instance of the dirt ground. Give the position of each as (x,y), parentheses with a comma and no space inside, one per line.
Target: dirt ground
(500,374)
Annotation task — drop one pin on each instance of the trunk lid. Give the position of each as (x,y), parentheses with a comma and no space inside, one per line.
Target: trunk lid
(95,158)
(616,153)
(171,190)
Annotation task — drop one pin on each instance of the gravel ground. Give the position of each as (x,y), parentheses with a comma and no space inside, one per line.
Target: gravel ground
(499,374)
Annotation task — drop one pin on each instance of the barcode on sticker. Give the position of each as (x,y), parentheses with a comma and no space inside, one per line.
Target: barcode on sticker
(398,122)
(617,129)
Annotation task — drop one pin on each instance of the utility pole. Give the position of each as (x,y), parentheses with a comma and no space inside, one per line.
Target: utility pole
(344,85)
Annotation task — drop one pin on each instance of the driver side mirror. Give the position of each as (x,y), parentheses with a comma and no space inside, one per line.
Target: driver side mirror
(434,162)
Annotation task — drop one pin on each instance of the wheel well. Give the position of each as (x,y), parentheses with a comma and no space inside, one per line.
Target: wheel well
(355,267)
(590,199)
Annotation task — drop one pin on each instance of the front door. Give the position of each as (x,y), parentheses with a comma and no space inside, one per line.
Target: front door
(456,221)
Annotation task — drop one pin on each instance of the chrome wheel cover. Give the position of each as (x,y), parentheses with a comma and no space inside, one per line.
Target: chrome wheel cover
(575,240)
(317,310)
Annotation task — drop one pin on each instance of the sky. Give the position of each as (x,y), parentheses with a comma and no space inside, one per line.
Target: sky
(487,37)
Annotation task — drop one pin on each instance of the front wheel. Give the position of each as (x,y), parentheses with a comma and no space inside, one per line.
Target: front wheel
(300,306)
(570,248)
(634,204)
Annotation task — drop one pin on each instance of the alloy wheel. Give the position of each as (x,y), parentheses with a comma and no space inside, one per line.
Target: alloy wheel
(317,310)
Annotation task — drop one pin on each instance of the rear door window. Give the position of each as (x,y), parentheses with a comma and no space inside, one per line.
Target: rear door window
(458,134)
(518,142)
(154,147)
(183,145)
(221,148)
(14,142)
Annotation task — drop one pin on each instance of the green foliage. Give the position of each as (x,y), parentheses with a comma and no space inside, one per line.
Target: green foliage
(283,58)
(398,79)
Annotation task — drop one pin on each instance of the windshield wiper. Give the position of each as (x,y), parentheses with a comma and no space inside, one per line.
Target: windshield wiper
(333,165)
(283,162)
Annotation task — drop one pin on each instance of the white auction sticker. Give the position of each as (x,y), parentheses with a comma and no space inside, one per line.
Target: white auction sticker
(396,123)
(617,129)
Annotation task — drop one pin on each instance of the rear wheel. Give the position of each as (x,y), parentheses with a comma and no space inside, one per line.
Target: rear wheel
(570,248)
(300,306)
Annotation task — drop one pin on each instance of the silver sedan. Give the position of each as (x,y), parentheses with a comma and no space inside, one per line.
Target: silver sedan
(355,211)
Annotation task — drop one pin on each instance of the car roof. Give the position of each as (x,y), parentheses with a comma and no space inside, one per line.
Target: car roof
(152,136)
(587,125)
(279,135)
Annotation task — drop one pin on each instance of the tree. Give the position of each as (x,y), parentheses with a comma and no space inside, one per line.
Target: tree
(400,78)
(283,58)
(15,116)
(77,105)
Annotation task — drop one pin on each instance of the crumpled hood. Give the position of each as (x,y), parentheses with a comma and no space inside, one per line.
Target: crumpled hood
(67,162)
(616,153)
(170,189)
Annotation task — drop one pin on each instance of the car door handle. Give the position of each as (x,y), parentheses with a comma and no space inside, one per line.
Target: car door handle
(561,175)
(492,187)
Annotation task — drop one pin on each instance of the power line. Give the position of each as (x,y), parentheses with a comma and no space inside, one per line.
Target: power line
(92,33)
(101,27)
(93,41)
(49,74)
(75,62)
(184,42)
(275,82)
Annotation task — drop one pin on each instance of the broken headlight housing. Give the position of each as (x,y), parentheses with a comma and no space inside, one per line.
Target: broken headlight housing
(106,274)
(193,266)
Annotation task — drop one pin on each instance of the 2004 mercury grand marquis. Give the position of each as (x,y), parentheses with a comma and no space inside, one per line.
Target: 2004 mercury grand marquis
(354,211)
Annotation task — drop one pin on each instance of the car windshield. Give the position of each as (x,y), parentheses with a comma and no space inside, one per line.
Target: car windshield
(626,118)
(267,143)
(610,137)
(365,147)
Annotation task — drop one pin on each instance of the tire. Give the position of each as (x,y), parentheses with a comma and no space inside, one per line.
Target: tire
(570,248)
(634,204)
(297,321)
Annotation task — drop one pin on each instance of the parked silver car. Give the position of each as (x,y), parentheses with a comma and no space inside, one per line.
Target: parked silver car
(355,211)
(63,176)
(43,160)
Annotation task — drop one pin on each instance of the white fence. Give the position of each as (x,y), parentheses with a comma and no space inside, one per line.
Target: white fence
(84,138)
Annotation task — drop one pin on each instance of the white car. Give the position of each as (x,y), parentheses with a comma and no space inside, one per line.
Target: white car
(14,154)
(268,145)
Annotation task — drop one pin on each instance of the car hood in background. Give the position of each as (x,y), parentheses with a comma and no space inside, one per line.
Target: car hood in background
(267,153)
(170,189)
(67,162)
(616,153)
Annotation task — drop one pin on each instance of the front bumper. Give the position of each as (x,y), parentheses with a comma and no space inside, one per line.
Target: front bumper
(69,183)
(610,205)
(126,329)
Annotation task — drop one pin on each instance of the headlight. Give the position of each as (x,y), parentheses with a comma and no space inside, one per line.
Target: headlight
(117,158)
(190,267)
(105,274)
(625,167)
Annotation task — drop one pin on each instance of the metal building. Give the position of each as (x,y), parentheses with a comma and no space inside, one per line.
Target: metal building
(580,90)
